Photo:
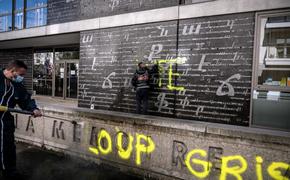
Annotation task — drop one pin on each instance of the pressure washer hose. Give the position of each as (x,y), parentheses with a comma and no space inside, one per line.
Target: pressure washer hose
(5,108)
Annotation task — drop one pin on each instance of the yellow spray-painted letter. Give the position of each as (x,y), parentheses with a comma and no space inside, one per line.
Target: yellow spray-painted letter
(274,171)
(104,135)
(124,154)
(259,172)
(141,148)
(234,170)
(206,165)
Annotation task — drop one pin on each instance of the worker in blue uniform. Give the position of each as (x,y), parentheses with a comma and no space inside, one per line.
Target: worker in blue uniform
(12,93)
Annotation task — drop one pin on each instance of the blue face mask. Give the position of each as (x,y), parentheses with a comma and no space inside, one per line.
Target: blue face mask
(18,79)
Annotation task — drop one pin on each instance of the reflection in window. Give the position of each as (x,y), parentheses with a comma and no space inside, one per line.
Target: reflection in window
(36,14)
(5,15)
(66,55)
(277,38)
(274,59)
(5,23)
(5,7)
(18,14)
(42,73)
(36,3)
(19,20)
(36,17)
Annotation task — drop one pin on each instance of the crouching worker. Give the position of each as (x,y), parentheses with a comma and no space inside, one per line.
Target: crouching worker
(12,92)
(140,81)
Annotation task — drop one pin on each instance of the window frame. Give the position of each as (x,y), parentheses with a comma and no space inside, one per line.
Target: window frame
(11,22)
(54,49)
(255,70)
(257,38)
(8,14)
(15,11)
(25,10)
(32,9)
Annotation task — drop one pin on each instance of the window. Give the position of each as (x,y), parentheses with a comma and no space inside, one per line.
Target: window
(271,88)
(56,71)
(36,13)
(274,57)
(36,3)
(19,14)
(42,73)
(63,54)
(5,15)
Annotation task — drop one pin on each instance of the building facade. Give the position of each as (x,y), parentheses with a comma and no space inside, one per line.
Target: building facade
(225,62)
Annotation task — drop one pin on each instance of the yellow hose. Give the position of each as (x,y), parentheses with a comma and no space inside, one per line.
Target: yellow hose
(3,108)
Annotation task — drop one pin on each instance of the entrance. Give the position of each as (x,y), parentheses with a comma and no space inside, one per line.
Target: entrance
(56,72)
(66,78)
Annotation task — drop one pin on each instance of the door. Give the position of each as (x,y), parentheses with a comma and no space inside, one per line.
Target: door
(72,71)
(66,78)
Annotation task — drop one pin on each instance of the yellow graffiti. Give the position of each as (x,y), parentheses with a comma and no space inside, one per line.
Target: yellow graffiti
(141,148)
(170,72)
(104,134)
(234,170)
(124,154)
(144,144)
(206,165)
(195,160)
(275,173)
(94,150)
(259,172)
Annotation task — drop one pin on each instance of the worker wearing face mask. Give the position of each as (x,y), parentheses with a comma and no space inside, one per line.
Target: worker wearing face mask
(12,93)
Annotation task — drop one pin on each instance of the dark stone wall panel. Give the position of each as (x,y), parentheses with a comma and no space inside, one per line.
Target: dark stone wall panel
(100,8)
(60,11)
(25,55)
(214,66)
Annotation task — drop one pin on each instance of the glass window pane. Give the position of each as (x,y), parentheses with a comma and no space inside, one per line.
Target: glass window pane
(271,97)
(63,55)
(42,73)
(274,59)
(36,17)
(274,78)
(36,3)
(279,19)
(5,6)
(19,20)
(276,36)
(72,80)
(19,5)
(5,23)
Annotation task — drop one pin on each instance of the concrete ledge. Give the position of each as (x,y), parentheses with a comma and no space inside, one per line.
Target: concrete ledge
(164,147)
(231,131)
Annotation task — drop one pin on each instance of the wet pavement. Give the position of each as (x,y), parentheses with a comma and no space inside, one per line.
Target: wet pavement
(37,164)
